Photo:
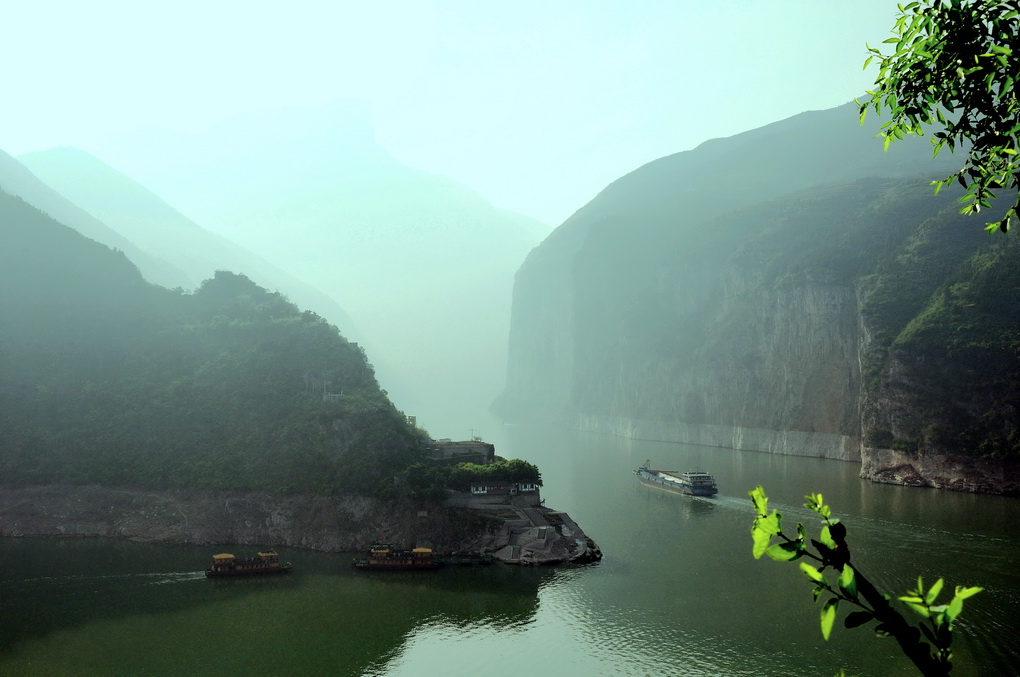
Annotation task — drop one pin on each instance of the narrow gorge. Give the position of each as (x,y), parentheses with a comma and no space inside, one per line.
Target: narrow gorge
(789,290)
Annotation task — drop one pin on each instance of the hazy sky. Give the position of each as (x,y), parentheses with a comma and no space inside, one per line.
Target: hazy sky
(537,105)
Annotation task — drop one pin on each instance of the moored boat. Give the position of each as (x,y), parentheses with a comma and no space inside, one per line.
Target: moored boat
(384,557)
(225,564)
(691,482)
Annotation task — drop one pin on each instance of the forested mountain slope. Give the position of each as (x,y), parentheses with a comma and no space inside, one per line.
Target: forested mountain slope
(110,380)
(791,289)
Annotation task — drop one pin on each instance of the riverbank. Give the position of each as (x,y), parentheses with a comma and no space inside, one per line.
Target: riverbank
(325,523)
(931,469)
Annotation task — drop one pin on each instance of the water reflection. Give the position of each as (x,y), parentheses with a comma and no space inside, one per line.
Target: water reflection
(120,608)
(677,592)
(679,580)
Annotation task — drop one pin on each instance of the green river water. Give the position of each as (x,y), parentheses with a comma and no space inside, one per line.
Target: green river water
(677,593)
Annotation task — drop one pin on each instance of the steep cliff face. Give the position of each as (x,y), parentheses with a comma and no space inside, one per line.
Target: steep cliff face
(787,290)
(328,523)
(747,366)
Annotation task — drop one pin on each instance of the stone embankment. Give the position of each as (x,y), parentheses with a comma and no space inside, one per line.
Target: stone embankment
(517,533)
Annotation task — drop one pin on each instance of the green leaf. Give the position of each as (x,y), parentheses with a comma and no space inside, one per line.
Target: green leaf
(954,610)
(760,500)
(933,593)
(920,609)
(964,593)
(784,552)
(955,606)
(826,539)
(812,573)
(761,542)
(770,524)
(828,616)
(848,582)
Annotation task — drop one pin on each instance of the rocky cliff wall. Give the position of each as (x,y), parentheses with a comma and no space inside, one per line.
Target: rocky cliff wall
(941,471)
(751,366)
(732,297)
(516,530)
(332,524)
(786,442)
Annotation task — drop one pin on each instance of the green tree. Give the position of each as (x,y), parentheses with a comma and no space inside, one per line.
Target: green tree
(952,69)
(927,644)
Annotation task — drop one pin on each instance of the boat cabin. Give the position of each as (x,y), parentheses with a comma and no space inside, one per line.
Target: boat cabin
(384,555)
(262,561)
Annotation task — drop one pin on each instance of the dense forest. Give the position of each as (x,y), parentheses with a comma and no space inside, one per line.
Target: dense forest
(110,380)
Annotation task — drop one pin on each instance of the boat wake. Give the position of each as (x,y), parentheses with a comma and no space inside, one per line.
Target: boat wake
(176,577)
(153,578)
(729,502)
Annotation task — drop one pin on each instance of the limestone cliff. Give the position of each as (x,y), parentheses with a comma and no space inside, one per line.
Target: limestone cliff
(790,290)
(326,523)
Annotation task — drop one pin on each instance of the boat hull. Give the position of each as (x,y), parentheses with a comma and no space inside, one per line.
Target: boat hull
(653,478)
(365,564)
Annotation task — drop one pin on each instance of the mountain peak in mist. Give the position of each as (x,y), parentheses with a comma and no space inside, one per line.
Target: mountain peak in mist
(155,226)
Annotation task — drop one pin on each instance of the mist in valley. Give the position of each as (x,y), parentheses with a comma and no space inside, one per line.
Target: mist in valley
(257,260)
(415,267)
(388,169)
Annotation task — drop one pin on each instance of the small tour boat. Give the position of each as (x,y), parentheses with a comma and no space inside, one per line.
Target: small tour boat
(692,482)
(384,557)
(226,564)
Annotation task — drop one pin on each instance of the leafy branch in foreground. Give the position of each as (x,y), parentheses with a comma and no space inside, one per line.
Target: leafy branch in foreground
(953,67)
(927,645)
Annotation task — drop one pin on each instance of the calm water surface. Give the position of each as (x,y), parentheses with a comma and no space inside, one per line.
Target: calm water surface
(678,592)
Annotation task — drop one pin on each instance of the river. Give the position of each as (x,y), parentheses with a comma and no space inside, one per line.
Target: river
(678,592)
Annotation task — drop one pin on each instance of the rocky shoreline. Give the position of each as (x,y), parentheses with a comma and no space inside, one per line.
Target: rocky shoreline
(942,471)
(325,523)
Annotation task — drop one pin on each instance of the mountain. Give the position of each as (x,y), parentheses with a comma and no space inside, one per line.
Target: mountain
(158,229)
(111,380)
(16,179)
(792,289)
(422,263)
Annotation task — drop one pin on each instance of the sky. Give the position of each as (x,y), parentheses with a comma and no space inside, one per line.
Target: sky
(536,105)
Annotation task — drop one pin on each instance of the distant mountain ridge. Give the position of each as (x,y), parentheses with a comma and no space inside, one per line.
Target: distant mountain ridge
(157,228)
(768,292)
(16,179)
(422,263)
